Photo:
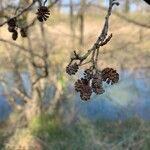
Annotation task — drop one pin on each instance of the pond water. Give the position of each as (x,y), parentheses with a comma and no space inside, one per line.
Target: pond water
(129,98)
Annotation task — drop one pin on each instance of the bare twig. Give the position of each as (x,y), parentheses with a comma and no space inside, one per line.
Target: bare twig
(45,2)
(20,47)
(101,40)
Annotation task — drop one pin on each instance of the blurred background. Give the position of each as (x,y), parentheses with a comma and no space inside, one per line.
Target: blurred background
(42,111)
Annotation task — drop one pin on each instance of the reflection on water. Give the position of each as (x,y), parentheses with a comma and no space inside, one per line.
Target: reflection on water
(130,97)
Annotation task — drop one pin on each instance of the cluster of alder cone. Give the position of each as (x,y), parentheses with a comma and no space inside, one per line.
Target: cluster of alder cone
(42,15)
(93,80)
(12,27)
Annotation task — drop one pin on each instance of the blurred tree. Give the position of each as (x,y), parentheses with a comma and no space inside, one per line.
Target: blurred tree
(81,19)
(127,6)
(36,63)
(59,5)
(72,22)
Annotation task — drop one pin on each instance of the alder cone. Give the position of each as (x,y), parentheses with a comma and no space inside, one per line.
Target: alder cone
(88,74)
(43,13)
(84,88)
(110,75)
(72,69)
(86,95)
(15,35)
(97,84)
(11,25)
(11,28)
(80,83)
(12,22)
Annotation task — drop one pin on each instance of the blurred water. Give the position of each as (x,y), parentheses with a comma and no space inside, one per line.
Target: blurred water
(130,97)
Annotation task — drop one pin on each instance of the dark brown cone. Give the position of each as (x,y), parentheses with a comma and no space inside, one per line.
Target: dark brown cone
(88,74)
(84,88)
(86,95)
(11,28)
(12,22)
(72,69)
(23,32)
(97,84)
(80,83)
(15,35)
(110,75)
(40,18)
(43,13)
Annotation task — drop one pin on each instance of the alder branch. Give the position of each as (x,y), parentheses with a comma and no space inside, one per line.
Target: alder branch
(101,40)
(45,2)
(93,76)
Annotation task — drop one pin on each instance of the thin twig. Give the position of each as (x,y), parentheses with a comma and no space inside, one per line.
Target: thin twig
(102,39)
(20,47)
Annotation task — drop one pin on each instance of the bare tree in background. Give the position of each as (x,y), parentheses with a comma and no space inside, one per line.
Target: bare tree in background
(81,20)
(34,57)
(127,6)
(72,22)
